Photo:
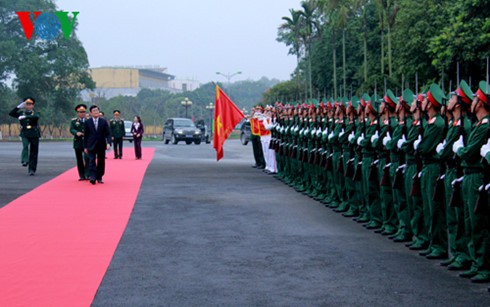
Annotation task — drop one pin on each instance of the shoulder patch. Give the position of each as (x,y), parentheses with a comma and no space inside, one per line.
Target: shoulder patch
(432,120)
(484,121)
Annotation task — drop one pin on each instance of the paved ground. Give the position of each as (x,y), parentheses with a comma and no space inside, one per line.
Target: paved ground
(223,234)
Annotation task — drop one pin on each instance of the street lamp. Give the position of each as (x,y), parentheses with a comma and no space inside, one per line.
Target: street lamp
(186,103)
(228,76)
(210,107)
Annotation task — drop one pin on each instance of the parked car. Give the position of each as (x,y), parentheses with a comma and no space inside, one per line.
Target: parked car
(127,129)
(245,132)
(181,129)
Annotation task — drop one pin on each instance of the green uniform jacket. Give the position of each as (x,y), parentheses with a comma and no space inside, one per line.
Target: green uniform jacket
(453,133)
(117,128)
(371,128)
(77,125)
(431,138)
(29,124)
(471,152)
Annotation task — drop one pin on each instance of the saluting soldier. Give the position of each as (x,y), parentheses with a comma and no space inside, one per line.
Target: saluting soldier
(77,130)
(30,133)
(118,131)
(477,225)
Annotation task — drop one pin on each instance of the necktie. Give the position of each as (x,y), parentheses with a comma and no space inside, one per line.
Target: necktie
(95,122)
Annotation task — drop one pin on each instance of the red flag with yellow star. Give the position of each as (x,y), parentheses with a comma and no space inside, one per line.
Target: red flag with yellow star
(226,116)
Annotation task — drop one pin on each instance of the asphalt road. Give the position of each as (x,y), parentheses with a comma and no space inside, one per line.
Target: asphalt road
(207,233)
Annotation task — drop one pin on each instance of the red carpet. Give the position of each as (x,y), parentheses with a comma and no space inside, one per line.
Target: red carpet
(57,241)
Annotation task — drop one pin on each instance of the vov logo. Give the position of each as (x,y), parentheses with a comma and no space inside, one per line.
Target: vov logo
(47,25)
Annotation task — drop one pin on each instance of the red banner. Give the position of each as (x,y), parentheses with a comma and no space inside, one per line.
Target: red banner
(226,116)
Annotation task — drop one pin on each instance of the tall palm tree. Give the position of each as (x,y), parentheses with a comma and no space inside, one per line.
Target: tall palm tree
(310,28)
(290,33)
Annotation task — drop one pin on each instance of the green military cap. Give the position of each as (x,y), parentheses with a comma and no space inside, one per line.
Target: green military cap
(364,100)
(464,92)
(408,96)
(313,102)
(390,98)
(483,92)
(343,102)
(354,102)
(374,103)
(435,95)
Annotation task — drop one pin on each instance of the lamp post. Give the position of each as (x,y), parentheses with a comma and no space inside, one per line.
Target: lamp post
(186,103)
(228,76)
(210,107)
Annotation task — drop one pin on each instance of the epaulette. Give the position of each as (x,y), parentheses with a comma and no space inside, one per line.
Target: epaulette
(484,121)
(432,120)
(74,118)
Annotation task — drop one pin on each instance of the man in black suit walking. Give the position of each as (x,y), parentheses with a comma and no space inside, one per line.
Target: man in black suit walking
(96,141)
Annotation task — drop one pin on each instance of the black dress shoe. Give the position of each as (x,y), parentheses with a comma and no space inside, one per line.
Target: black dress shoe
(100,181)
(24,164)
(31,173)
(82,179)
(92,181)
(255,166)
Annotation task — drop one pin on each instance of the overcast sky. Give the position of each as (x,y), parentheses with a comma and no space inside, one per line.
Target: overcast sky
(192,38)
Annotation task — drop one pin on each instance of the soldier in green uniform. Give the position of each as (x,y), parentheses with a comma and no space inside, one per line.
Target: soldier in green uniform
(117,132)
(459,125)
(370,187)
(348,158)
(357,177)
(476,225)
(398,166)
(30,133)
(77,130)
(412,169)
(434,211)
(387,126)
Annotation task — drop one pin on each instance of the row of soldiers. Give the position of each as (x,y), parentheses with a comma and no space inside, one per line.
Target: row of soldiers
(414,168)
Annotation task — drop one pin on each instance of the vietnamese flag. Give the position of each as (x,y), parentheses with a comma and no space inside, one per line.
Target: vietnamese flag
(226,116)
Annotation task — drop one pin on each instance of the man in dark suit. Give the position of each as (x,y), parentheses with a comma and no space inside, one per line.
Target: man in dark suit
(96,141)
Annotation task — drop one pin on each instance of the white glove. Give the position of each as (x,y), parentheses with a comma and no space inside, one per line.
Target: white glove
(351,137)
(420,174)
(417,142)
(458,144)
(386,139)
(359,139)
(330,136)
(400,142)
(457,180)
(485,149)
(21,105)
(375,137)
(22,117)
(341,133)
(487,187)
(440,147)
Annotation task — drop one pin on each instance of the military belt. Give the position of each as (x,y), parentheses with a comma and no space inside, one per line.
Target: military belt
(470,171)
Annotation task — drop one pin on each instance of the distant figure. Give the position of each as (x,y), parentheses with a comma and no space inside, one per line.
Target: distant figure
(117,132)
(137,131)
(30,133)
(97,140)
